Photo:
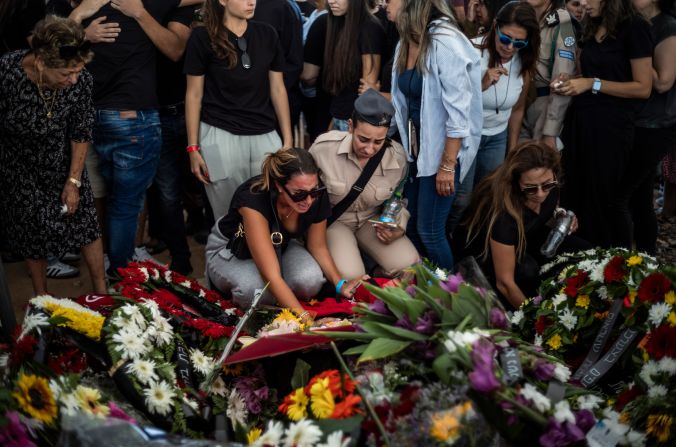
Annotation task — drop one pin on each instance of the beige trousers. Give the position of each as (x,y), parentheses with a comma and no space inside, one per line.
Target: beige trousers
(345,245)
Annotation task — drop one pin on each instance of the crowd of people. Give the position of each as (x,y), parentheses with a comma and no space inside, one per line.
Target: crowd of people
(286,126)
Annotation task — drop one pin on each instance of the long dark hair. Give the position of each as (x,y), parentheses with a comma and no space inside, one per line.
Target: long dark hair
(341,49)
(281,166)
(213,13)
(613,13)
(500,192)
(521,14)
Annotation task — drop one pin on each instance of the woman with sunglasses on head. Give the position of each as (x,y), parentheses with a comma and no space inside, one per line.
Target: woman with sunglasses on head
(507,220)
(617,76)
(508,56)
(235,97)
(46,120)
(436,92)
(271,212)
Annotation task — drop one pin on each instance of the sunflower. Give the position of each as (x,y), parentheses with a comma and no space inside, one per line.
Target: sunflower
(659,426)
(35,398)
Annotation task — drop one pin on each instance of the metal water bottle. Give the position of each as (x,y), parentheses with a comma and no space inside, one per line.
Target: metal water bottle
(557,234)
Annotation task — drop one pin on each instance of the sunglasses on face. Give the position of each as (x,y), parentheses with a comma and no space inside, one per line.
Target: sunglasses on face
(506,40)
(70,51)
(246,59)
(299,196)
(545,187)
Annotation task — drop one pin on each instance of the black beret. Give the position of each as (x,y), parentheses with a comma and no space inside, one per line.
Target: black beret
(373,108)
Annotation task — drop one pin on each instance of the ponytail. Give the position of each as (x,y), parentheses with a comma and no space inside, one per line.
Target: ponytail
(280,166)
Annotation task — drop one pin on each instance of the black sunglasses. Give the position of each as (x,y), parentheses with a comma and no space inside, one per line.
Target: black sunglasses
(545,187)
(70,51)
(302,195)
(246,59)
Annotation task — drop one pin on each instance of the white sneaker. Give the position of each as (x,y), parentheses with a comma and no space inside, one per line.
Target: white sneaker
(71,257)
(59,270)
(141,255)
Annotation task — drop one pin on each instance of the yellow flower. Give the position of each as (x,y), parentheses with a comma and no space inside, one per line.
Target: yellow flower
(624,418)
(89,400)
(233,370)
(35,398)
(322,399)
(600,315)
(555,342)
(445,427)
(286,315)
(298,409)
(582,301)
(672,318)
(659,426)
(670,297)
(634,260)
(83,322)
(253,435)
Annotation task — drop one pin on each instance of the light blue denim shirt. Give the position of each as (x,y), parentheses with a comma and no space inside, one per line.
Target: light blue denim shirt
(451,99)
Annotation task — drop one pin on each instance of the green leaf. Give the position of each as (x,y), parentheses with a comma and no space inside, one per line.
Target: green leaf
(371,315)
(346,425)
(400,332)
(301,374)
(356,350)
(58,320)
(441,365)
(372,327)
(381,348)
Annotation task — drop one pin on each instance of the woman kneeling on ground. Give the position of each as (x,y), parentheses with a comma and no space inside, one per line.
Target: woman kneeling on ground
(270,212)
(509,217)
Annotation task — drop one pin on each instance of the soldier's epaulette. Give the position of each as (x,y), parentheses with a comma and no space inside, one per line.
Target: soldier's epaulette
(552,19)
(332,135)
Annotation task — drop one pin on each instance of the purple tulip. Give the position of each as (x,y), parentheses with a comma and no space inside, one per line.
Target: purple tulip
(585,420)
(426,322)
(483,378)
(411,290)
(451,284)
(379,306)
(405,323)
(497,318)
(543,370)
(559,435)
(425,350)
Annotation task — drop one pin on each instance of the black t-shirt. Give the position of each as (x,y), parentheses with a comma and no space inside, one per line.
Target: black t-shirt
(170,77)
(371,41)
(20,20)
(236,99)
(610,59)
(262,202)
(125,71)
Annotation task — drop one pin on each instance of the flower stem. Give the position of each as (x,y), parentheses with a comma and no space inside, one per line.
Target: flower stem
(369,407)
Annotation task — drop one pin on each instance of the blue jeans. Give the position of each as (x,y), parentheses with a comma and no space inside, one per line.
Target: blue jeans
(489,156)
(129,149)
(429,210)
(165,205)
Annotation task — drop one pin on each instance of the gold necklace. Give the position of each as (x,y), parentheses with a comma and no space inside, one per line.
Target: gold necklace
(287,216)
(46,101)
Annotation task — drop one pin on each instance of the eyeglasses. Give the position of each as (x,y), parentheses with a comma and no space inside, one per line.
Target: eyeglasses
(246,59)
(70,51)
(302,195)
(506,40)
(545,187)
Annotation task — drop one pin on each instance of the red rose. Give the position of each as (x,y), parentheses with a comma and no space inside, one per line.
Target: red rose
(661,342)
(541,324)
(615,270)
(575,282)
(654,287)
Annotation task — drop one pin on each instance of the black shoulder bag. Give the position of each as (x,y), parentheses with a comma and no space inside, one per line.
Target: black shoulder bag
(358,186)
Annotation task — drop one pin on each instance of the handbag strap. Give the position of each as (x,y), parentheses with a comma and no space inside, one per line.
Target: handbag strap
(274,226)
(358,186)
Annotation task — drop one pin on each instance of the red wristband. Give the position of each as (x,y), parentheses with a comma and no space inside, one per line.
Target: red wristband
(192,148)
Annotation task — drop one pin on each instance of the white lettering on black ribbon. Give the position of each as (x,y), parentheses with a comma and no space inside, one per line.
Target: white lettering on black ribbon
(183,365)
(511,365)
(609,359)
(556,392)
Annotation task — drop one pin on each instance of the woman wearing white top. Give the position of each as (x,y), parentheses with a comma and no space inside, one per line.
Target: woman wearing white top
(508,55)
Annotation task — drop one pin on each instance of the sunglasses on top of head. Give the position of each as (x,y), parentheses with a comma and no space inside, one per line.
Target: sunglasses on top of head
(506,40)
(70,51)
(545,187)
(299,196)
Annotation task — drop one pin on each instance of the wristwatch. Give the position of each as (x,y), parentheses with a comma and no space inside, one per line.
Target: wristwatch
(75,181)
(596,86)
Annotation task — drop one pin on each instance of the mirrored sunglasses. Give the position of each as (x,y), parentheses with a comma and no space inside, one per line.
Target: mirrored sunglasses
(506,40)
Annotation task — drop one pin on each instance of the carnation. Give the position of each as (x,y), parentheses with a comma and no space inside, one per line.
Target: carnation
(658,312)
(667,365)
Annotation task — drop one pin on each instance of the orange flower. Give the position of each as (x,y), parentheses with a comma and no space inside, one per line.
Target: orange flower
(347,407)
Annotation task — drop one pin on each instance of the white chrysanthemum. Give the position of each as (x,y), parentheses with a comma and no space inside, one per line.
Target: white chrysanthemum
(587,265)
(129,345)
(202,363)
(667,365)
(135,316)
(562,412)
(153,307)
(588,402)
(302,434)
(656,391)
(143,370)
(34,321)
(558,299)
(159,397)
(603,292)
(538,340)
(597,273)
(539,400)
(192,404)
(658,312)
(272,435)
(335,439)
(561,372)
(43,300)
(517,316)
(568,319)
(636,438)
(440,274)
(218,387)
(236,411)
(648,370)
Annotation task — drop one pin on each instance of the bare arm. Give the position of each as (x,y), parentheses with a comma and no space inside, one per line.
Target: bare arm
(193,106)
(664,62)
(310,74)
(370,70)
(86,9)
(170,41)
(280,102)
(504,263)
(516,118)
(639,87)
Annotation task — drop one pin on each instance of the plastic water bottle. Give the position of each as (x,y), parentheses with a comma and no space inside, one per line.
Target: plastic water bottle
(391,208)
(557,234)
